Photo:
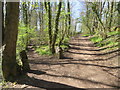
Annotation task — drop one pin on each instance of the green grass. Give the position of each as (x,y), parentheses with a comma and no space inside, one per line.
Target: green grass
(96,39)
(4,84)
(111,41)
(112,44)
(64,47)
(86,35)
(66,40)
(43,50)
(113,33)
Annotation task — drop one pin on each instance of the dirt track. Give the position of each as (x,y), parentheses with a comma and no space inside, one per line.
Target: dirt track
(85,66)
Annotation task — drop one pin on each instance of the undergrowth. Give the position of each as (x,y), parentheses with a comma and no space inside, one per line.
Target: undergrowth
(111,40)
(43,50)
(86,35)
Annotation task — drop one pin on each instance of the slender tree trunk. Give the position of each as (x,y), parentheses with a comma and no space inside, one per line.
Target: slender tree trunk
(69,17)
(41,16)
(111,15)
(118,8)
(87,15)
(49,26)
(25,17)
(56,27)
(99,19)
(9,65)
(3,23)
(48,10)
(107,14)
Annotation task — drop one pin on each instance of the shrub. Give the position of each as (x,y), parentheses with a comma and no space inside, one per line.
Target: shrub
(43,50)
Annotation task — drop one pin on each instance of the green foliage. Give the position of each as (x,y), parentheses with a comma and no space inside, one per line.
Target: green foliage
(108,42)
(86,35)
(66,40)
(43,50)
(4,84)
(113,33)
(7,84)
(112,43)
(102,22)
(65,13)
(64,47)
(96,39)
(24,36)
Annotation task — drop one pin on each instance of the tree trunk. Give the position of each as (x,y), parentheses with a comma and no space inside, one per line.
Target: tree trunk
(48,10)
(49,26)
(9,64)
(56,27)
(94,8)
(25,63)
(111,16)
(25,17)
(118,8)
(69,18)
(2,23)
(87,15)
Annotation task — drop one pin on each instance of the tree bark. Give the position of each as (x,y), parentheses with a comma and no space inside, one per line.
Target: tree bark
(25,63)
(56,27)
(69,18)
(48,10)
(9,64)
(118,9)
(111,15)
(25,17)
(3,23)
(49,26)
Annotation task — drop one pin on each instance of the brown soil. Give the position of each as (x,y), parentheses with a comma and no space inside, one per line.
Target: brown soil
(84,66)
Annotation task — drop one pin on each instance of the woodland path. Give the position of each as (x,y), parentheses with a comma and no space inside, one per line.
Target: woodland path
(85,66)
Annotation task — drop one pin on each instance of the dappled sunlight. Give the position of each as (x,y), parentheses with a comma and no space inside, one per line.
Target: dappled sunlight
(80,68)
(62,44)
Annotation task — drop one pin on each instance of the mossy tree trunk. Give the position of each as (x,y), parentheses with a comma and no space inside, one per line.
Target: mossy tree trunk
(9,64)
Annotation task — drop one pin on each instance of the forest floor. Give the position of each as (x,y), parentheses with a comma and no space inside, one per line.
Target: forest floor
(84,66)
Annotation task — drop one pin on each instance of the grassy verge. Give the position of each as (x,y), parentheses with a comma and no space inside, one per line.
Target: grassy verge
(86,35)
(43,50)
(111,40)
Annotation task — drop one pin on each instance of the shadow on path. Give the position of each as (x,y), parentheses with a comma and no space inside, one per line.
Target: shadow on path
(117,76)
(85,45)
(39,83)
(81,62)
(85,49)
(43,83)
(70,62)
(98,54)
(86,60)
